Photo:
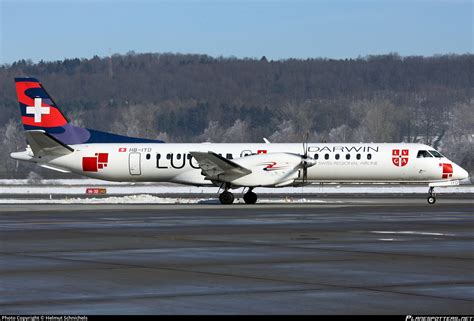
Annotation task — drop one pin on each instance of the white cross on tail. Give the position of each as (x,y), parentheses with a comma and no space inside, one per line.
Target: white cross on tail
(37,110)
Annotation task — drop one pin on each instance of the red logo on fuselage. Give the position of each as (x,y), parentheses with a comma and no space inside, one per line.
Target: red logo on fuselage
(447,170)
(93,164)
(400,157)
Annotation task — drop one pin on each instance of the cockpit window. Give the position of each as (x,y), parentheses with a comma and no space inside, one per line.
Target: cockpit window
(423,154)
(436,154)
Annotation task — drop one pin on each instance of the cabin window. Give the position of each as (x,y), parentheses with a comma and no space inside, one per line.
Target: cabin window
(348,156)
(178,156)
(436,154)
(337,156)
(316,156)
(423,154)
(358,156)
(369,156)
(326,156)
(148,156)
(229,156)
(168,156)
(245,153)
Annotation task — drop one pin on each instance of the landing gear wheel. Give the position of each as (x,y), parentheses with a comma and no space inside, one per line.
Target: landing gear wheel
(250,198)
(431,200)
(226,197)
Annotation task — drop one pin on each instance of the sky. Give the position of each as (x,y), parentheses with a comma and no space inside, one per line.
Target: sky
(54,29)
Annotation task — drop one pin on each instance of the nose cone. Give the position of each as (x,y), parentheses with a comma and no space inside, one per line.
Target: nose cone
(459,172)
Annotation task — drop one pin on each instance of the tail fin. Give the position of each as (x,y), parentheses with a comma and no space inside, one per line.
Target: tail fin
(38,109)
(40,112)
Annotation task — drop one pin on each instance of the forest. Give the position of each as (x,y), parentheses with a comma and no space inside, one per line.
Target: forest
(198,98)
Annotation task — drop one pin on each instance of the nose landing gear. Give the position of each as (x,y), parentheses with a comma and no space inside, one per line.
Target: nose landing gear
(431,198)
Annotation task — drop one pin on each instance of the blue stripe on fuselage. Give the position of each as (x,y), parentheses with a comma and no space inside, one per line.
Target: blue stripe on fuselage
(104,137)
(70,134)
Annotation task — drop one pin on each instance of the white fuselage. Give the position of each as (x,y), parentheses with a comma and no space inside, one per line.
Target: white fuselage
(334,162)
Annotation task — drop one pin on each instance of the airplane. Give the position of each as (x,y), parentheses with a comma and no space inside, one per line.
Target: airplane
(55,143)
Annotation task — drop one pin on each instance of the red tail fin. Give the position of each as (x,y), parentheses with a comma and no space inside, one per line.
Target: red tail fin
(37,107)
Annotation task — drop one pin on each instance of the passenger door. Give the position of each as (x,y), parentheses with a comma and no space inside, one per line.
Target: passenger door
(134,163)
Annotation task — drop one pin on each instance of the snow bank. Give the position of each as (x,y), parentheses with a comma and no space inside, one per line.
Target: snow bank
(78,187)
(146,199)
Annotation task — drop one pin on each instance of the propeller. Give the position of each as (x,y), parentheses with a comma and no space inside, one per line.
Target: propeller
(305,145)
(306,161)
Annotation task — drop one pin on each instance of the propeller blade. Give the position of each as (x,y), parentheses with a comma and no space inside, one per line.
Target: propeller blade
(306,161)
(305,145)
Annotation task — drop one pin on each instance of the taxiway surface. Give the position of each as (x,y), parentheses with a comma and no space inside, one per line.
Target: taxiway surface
(374,257)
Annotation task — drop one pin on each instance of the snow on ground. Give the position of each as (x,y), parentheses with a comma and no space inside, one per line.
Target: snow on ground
(141,194)
(54,192)
(146,199)
(79,186)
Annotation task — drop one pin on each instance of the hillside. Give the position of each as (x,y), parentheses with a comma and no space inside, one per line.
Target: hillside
(194,98)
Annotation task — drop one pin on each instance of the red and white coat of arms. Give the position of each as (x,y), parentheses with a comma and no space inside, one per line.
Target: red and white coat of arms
(400,157)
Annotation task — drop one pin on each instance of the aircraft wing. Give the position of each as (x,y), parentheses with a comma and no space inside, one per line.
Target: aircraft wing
(216,167)
(43,144)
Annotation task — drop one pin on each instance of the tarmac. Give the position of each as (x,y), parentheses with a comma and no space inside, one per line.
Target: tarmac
(366,256)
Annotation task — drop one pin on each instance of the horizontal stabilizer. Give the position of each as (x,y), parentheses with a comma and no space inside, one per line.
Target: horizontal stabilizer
(216,167)
(42,144)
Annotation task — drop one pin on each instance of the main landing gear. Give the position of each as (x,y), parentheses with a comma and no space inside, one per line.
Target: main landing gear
(227,197)
(250,197)
(431,198)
